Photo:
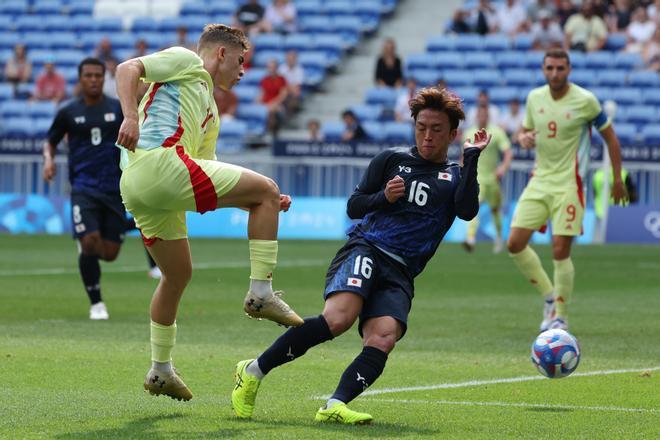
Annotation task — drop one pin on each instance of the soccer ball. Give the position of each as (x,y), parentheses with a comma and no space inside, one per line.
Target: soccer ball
(556,353)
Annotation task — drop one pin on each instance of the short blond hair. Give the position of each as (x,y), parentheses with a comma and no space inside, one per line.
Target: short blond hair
(224,35)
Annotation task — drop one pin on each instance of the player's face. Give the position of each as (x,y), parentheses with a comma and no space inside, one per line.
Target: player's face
(231,69)
(556,71)
(91,80)
(433,134)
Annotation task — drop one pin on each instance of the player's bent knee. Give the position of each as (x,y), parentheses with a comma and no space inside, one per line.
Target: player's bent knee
(91,245)
(338,323)
(383,342)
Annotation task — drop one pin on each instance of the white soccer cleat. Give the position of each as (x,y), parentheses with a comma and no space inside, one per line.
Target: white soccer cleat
(548,315)
(559,323)
(155,273)
(498,245)
(98,312)
(272,308)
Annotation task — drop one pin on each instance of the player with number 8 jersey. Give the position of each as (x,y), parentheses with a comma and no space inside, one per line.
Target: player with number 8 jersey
(407,200)
(558,124)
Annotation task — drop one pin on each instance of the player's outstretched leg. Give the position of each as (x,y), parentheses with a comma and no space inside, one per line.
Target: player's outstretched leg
(262,197)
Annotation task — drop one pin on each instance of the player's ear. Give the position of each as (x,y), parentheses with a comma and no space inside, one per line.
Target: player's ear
(452,134)
(220,52)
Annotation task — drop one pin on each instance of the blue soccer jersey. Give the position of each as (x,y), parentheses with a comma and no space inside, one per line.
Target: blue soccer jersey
(92,131)
(411,228)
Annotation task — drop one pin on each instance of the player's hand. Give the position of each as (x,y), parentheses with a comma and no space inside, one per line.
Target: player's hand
(500,172)
(49,169)
(128,134)
(527,139)
(395,189)
(481,140)
(619,193)
(285,202)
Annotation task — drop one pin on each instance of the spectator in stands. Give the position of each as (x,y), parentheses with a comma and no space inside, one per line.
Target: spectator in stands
(651,52)
(227,103)
(654,10)
(182,39)
(402,107)
(510,18)
(546,33)
(249,17)
(619,16)
(484,18)
(459,23)
(353,131)
(640,30)
(140,48)
(511,120)
(314,130)
(104,51)
(294,75)
(585,31)
(18,68)
(388,67)
(281,16)
(51,85)
(482,100)
(565,10)
(537,6)
(273,95)
(110,83)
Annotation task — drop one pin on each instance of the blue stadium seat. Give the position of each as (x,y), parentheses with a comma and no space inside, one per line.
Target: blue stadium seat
(41,126)
(457,78)
(651,97)
(83,24)
(496,43)
(368,10)
(332,45)
(268,42)
(469,42)
(223,8)
(232,135)
(629,61)
(479,60)
(253,76)
(144,24)
(58,23)
(366,112)
(6,23)
(170,24)
(9,39)
(69,73)
(315,60)
(644,79)
(509,59)
(533,60)
(651,135)
(425,77)
(398,132)
(246,94)
(63,40)
(313,79)
(627,133)
(599,60)
(584,77)
(522,42)
(502,95)
(298,42)
(154,40)
(578,60)
(36,40)
(441,43)
(18,127)
(14,7)
(41,109)
(449,60)
(89,40)
(29,23)
(616,42)
(519,77)
(47,7)
(316,24)
(332,131)
(108,25)
(123,40)
(385,96)
(69,57)
(350,28)
(305,8)
(486,78)
(468,94)
(25,89)
(255,115)
(420,61)
(81,8)
(641,115)
(6,92)
(602,93)
(611,77)
(262,57)
(338,8)
(374,130)
(627,95)
(193,8)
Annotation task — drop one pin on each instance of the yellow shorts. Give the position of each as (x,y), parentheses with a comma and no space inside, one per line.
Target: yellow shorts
(158,186)
(563,206)
(491,194)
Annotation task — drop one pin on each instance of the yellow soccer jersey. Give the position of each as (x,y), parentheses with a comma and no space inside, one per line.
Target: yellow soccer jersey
(178,107)
(489,158)
(563,134)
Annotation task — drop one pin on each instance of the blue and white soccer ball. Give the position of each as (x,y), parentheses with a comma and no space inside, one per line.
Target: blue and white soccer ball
(556,353)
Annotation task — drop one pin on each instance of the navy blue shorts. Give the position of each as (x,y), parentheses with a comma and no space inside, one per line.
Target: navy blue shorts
(92,212)
(384,283)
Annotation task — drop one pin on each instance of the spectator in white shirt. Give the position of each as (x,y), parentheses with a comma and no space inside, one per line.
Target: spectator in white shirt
(294,75)
(402,109)
(482,100)
(546,33)
(640,30)
(511,17)
(511,120)
(281,15)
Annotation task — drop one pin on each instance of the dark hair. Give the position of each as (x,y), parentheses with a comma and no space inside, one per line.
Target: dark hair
(348,113)
(557,53)
(90,62)
(441,100)
(222,34)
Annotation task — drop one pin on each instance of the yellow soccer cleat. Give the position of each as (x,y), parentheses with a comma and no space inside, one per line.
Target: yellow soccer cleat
(339,413)
(157,383)
(245,390)
(273,309)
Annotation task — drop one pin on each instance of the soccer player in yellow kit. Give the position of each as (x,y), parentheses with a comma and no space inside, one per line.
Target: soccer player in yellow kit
(489,175)
(170,167)
(557,123)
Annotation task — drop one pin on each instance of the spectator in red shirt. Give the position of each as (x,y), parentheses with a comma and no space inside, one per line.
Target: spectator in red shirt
(273,95)
(50,85)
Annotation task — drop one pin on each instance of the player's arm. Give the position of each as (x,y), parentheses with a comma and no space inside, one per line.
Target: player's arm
(128,78)
(370,195)
(619,192)
(56,133)
(466,198)
(507,158)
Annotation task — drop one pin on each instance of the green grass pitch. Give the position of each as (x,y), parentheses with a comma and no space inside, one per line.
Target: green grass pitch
(471,327)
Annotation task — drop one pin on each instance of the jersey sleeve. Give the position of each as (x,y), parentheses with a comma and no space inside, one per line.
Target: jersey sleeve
(595,113)
(169,65)
(58,128)
(369,195)
(466,197)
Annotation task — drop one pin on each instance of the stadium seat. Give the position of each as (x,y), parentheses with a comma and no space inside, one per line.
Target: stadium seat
(651,135)
(314,60)
(306,8)
(599,60)
(616,41)
(651,97)
(316,24)
(533,60)
(6,23)
(332,45)
(108,25)
(486,78)
(63,40)
(602,93)
(313,79)
(611,77)
(332,131)
(6,92)
(398,132)
(374,130)
(58,23)
(420,61)
(19,127)
(522,42)
(247,94)
(496,43)
(509,59)
(426,77)
(365,112)
(468,94)
(627,133)
(382,95)
(9,39)
(628,61)
(502,95)
(29,23)
(14,7)
(122,40)
(479,60)
(268,42)
(13,108)
(578,60)
(626,95)
(519,77)
(298,42)
(232,135)
(350,28)
(253,76)
(83,24)
(193,8)
(584,77)
(456,78)
(469,43)
(255,115)
(36,40)
(641,115)
(81,8)
(441,43)
(225,7)
(47,7)
(261,58)
(144,24)
(41,109)
(644,79)
(41,126)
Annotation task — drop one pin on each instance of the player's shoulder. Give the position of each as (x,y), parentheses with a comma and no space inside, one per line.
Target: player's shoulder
(395,152)
(538,93)
(180,52)
(581,92)
(68,104)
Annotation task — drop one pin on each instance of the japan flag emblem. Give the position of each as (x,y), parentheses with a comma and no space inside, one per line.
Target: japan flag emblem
(354,282)
(444,176)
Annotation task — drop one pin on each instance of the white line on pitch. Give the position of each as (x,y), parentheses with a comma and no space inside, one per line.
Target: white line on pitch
(142,268)
(516,405)
(473,383)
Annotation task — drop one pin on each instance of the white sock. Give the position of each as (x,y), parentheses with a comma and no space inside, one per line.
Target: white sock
(262,288)
(254,370)
(549,298)
(332,402)
(163,367)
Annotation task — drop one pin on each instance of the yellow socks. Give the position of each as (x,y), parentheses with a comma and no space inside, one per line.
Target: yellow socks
(472,228)
(163,338)
(263,257)
(564,276)
(530,265)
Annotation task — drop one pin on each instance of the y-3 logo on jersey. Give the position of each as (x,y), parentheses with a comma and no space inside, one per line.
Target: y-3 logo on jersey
(403,169)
